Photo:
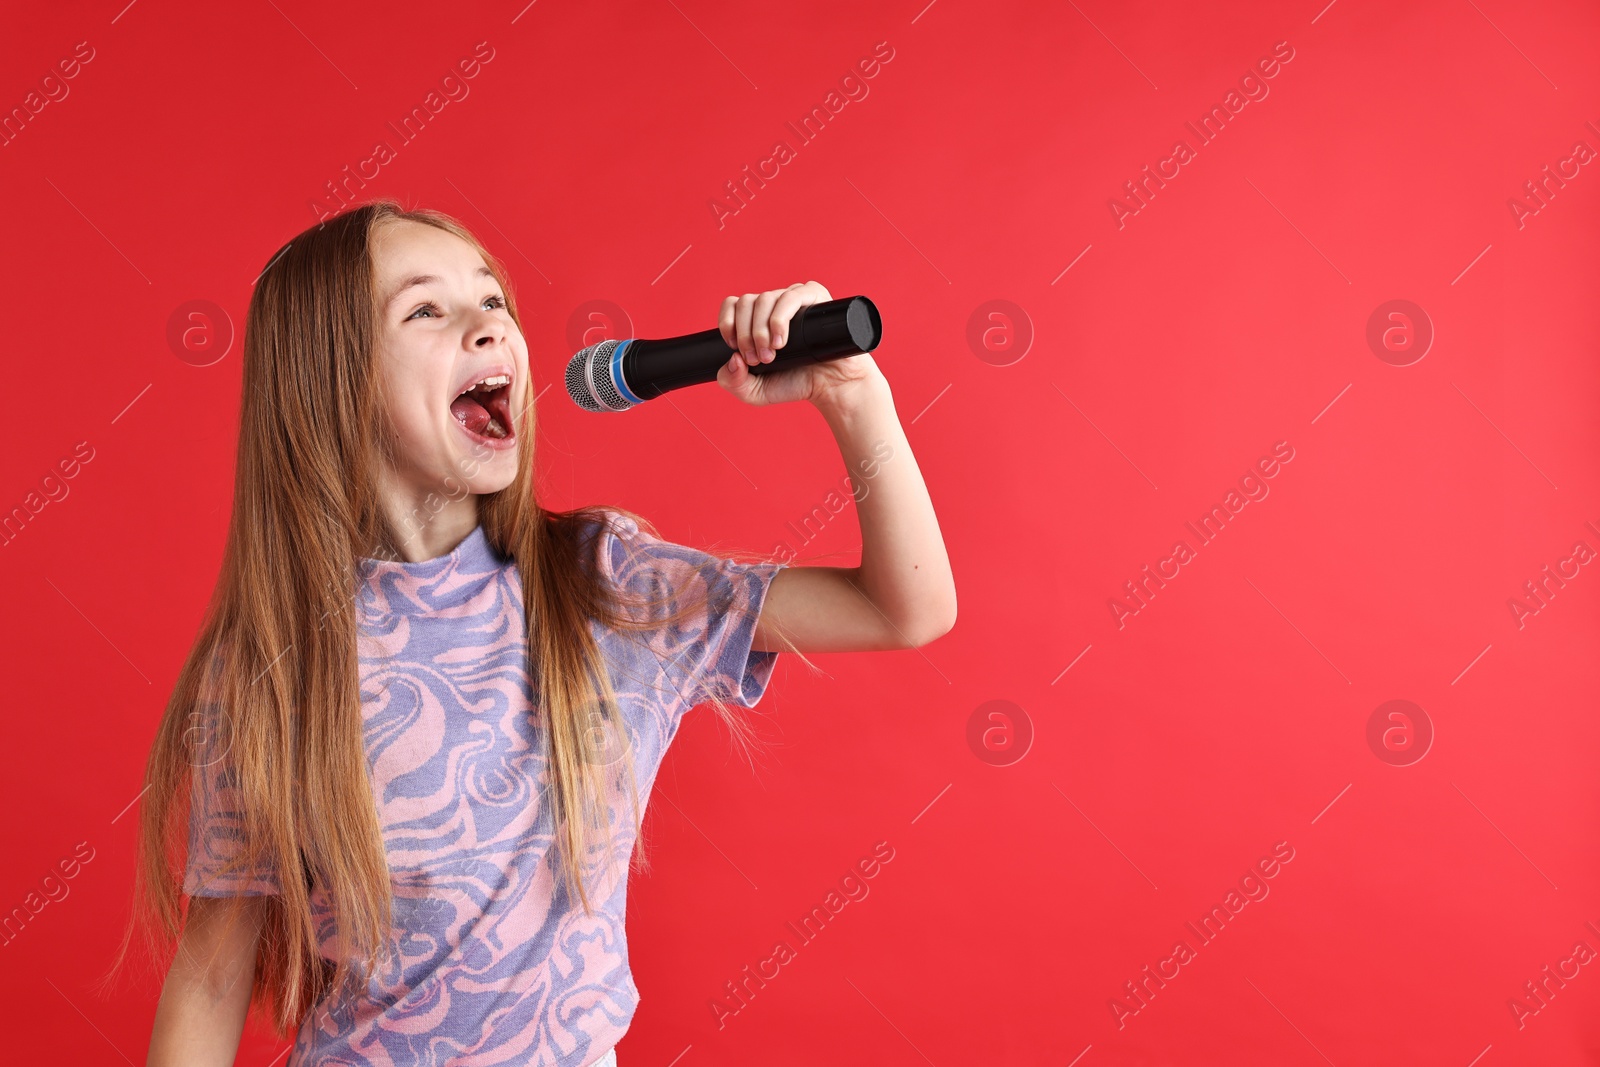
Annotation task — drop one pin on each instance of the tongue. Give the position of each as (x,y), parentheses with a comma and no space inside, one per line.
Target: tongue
(470,414)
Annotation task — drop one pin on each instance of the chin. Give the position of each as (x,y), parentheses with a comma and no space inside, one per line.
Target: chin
(459,472)
(497,473)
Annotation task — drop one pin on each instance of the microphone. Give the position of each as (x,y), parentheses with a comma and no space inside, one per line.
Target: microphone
(617,375)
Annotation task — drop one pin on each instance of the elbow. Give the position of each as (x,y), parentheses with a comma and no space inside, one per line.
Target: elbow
(931,626)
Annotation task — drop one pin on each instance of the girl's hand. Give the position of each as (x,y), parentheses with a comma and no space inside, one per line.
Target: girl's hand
(757,324)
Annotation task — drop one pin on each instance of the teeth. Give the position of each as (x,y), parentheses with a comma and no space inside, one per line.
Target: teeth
(487,383)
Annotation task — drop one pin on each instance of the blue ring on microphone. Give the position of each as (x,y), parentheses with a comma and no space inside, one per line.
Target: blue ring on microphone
(616,373)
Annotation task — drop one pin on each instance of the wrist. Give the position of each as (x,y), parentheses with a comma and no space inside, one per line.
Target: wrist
(846,400)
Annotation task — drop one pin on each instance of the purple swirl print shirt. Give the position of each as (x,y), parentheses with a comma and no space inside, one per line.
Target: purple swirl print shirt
(496,965)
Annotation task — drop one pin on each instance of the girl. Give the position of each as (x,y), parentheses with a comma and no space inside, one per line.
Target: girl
(399,779)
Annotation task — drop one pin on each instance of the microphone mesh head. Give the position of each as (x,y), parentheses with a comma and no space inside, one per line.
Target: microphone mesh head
(589,379)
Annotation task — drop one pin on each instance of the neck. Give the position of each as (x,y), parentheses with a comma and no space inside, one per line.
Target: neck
(418,528)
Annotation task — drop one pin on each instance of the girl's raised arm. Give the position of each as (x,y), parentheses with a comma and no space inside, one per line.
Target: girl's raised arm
(903,594)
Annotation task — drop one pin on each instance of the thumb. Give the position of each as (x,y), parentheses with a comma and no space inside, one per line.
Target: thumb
(732,373)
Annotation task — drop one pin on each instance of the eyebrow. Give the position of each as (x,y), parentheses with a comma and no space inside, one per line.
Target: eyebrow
(428,279)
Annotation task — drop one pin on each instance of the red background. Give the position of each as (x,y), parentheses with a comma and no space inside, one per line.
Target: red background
(1227,315)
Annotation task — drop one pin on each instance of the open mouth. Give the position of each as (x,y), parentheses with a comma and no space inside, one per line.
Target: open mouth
(484,408)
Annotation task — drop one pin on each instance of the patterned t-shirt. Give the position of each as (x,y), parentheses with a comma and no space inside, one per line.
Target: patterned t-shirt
(496,964)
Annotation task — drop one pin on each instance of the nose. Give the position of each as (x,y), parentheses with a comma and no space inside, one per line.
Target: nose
(489,333)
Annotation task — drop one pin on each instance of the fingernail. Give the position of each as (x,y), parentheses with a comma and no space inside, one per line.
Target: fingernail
(766,355)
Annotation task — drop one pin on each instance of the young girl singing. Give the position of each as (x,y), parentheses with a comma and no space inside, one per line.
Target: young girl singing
(401,775)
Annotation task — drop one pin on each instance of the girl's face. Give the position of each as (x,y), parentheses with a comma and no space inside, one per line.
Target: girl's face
(444,330)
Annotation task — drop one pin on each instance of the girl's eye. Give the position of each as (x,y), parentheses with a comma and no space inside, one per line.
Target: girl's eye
(499,302)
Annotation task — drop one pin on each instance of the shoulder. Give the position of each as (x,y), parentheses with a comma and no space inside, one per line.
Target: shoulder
(626,546)
(602,536)
(657,579)
(621,552)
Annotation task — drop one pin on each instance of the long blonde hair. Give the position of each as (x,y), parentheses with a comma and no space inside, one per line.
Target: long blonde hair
(277,648)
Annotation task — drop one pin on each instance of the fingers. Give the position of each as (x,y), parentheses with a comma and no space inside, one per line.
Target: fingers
(735,376)
(742,313)
(757,324)
(789,301)
(734,323)
(728,373)
(725,321)
(762,323)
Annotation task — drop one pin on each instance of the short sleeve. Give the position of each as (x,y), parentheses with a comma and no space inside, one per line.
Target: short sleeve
(709,651)
(216,823)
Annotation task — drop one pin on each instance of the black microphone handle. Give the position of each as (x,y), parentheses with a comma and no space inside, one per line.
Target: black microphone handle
(830,330)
